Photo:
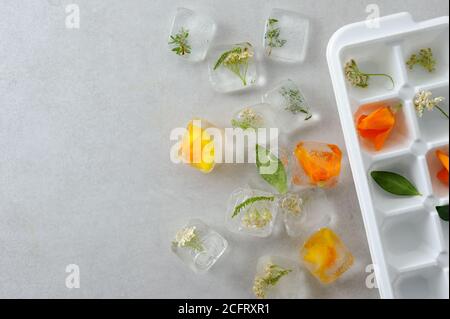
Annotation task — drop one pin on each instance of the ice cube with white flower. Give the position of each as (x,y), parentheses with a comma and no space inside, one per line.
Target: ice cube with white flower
(286,36)
(280,278)
(198,246)
(251,212)
(191,34)
(290,111)
(232,67)
(306,211)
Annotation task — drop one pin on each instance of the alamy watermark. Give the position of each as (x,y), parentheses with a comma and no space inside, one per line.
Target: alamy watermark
(73,279)
(371,281)
(73,16)
(373,19)
(205,144)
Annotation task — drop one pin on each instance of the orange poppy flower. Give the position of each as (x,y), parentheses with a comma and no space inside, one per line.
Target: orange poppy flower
(321,163)
(326,256)
(377,126)
(197,147)
(443,174)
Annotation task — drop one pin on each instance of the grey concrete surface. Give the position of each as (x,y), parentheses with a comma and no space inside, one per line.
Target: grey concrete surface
(85,175)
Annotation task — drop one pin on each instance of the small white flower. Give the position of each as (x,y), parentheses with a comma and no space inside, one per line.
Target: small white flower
(424,101)
(292,203)
(272,275)
(187,237)
(257,219)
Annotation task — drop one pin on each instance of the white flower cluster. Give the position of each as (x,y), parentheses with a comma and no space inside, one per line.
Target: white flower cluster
(188,238)
(424,101)
(185,236)
(256,219)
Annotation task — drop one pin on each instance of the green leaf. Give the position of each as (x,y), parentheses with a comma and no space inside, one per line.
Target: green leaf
(277,179)
(443,212)
(221,59)
(394,183)
(226,54)
(250,201)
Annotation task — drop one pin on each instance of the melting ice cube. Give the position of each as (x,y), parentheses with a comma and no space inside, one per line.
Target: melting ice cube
(191,34)
(280,278)
(290,110)
(306,211)
(316,164)
(198,246)
(232,67)
(251,212)
(286,36)
(325,256)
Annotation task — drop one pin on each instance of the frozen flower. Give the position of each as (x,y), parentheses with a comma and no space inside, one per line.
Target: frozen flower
(188,237)
(247,118)
(237,60)
(238,56)
(292,204)
(259,288)
(256,219)
(272,275)
(424,101)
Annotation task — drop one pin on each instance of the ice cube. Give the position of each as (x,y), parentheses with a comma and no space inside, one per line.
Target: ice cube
(251,117)
(325,256)
(198,147)
(316,164)
(286,36)
(280,278)
(232,67)
(251,212)
(306,212)
(261,178)
(191,34)
(290,110)
(198,246)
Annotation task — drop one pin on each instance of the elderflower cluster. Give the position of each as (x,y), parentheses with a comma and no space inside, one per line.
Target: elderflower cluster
(292,204)
(187,237)
(256,219)
(424,101)
(355,76)
(272,275)
(248,118)
(237,57)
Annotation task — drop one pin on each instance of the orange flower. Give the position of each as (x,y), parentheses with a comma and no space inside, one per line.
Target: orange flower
(321,163)
(326,256)
(197,147)
(443,174)
(377,126)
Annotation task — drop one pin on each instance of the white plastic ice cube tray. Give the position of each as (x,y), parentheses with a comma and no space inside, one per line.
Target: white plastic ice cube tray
(408,241)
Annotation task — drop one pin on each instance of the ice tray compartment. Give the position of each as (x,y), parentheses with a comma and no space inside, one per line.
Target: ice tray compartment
(408,166)
(402,136)
(427,283)
(409,241)
(437,40)
(433,126)
(377,57)
(434,166)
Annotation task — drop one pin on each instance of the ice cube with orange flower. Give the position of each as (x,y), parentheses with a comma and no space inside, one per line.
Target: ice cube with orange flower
(316,164)
(197,147)
(326,256)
